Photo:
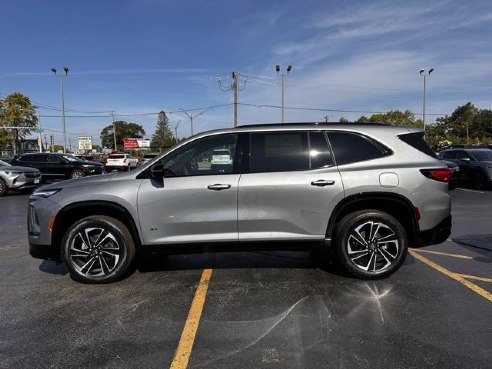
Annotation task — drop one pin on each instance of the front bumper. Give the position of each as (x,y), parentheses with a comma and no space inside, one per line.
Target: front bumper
(45,252)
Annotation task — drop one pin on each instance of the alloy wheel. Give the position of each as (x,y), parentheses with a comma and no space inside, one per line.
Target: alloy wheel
(373,246)
(94,252)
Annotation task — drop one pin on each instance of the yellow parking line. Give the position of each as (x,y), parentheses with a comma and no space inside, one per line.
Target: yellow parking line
(481,279)
(455,276)
(445,254)
(185,345)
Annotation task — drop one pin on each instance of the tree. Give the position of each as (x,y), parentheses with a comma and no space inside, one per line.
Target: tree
(467,124)
(16,110)
(394,118)
(163,136)
(123,130)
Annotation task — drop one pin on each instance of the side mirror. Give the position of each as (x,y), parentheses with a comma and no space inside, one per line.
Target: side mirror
(157,171)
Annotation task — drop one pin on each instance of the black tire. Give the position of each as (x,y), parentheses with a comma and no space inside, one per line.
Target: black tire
(77,173)
(4,189)
(92,260)
(479,181)
(370,244)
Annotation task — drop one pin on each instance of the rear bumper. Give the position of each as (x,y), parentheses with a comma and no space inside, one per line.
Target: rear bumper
(436,235)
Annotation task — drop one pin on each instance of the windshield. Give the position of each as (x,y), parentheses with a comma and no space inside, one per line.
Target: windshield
(4,164)
(71,158)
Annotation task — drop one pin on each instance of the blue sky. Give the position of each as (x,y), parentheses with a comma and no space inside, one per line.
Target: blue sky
(138,57)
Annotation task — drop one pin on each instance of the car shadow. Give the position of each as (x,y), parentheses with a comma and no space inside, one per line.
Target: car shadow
(52,267)
(237,260)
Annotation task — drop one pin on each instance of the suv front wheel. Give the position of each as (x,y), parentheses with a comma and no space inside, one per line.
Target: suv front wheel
(371,244)
(98,249)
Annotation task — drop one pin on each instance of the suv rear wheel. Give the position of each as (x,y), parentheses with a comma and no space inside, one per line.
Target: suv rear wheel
(370,244)
(98,249)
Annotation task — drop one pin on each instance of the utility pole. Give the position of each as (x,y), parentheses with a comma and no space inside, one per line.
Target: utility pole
(234,86)
(40,139)
(114,132)
(62,77)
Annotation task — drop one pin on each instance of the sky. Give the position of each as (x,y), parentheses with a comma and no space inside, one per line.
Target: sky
(139,57)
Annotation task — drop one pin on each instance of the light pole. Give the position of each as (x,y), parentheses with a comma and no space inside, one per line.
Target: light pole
(62,77)
(176,130)
(191,117)
(425,73)
(277,68)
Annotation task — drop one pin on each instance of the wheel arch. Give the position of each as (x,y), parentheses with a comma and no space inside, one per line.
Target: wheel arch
(76,211)
(393,204)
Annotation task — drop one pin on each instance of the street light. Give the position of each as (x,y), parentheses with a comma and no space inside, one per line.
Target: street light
(191,117)
(425,73)
(277,68)
(62,77)
(176,130)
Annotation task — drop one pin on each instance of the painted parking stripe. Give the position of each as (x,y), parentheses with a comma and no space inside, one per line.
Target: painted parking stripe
(455,276)
(466,190)
(481,279)
(446,254)
(185,345)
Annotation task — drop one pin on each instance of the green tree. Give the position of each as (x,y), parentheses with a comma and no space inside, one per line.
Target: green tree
(163,136)
(123,130)
(16,110)
(394,118)
(460,122)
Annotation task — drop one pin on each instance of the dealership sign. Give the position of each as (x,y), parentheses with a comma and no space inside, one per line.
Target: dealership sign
(85,143)
(136,143)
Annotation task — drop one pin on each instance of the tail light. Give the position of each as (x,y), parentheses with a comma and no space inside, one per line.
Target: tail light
(441,174)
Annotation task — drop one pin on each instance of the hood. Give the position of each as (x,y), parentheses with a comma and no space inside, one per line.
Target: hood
(14,168)
(90,180)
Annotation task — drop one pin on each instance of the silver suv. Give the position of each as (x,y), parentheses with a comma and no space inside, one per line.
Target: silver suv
(362,191)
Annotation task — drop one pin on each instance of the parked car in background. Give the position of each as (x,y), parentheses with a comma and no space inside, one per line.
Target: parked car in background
(58,166)
(147,157)
(221,160)
(17,178)
(453,181)
(361,192)
(475,165)
(121,162)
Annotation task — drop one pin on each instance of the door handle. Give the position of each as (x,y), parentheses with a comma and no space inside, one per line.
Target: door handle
(323,183)
(219,187)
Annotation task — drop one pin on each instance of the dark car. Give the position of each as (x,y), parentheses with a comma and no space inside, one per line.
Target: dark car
(475,165)
(453,181)
(58,166)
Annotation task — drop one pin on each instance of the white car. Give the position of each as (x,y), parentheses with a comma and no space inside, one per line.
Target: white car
(121,162)
(221,157)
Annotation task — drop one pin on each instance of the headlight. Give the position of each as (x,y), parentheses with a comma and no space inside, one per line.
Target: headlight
(45,193)
(13,173)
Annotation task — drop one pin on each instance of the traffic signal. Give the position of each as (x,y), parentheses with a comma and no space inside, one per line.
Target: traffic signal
(52,141)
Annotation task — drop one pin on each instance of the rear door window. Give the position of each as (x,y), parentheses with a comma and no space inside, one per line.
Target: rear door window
(288,151)
(351,147)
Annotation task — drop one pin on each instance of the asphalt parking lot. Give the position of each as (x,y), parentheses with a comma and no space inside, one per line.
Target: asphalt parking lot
(253,309)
